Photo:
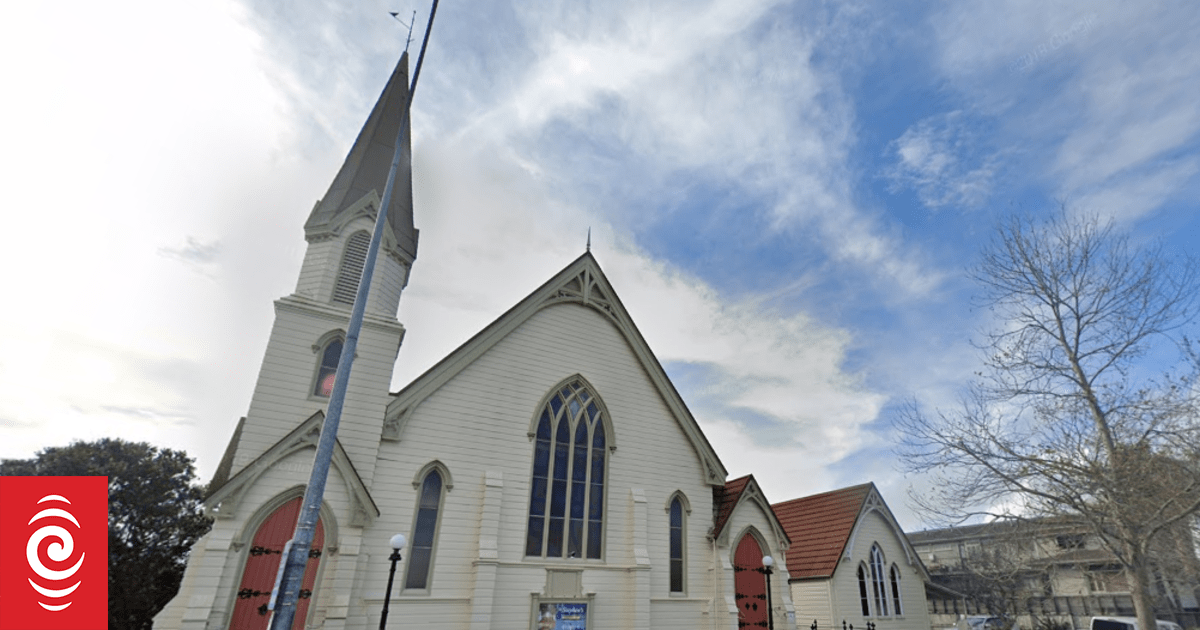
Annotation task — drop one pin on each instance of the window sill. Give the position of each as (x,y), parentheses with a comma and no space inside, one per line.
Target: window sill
(564,562)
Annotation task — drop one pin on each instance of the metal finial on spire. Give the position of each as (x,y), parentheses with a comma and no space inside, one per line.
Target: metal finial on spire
(409,25)
(589,243)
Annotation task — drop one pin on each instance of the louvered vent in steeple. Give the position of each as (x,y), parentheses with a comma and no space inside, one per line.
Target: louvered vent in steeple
(352,266)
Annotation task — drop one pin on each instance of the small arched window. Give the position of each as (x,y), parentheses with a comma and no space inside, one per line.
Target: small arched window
(878,588)
(327,369)
(862,591)
(894,574)
(675,525)
(424,532)
(568,471)
(349,274)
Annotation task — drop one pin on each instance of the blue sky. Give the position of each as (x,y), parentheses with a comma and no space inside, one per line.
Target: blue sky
(786,195)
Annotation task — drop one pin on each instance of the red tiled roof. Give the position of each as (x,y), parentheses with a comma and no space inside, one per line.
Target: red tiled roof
(724,500)
(819,526)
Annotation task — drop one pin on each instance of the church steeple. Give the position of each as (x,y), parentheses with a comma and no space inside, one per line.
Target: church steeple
(365,173)
(310,325)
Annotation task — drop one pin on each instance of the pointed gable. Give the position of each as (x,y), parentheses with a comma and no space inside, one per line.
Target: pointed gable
(224,500)
(366,168)
(725,498)
(225,468)
(581,282)
(819,527)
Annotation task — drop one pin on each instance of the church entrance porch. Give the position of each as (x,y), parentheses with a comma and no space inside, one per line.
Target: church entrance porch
(262,564)
(749,584)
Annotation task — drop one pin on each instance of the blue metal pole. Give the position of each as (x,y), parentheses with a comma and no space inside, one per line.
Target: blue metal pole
(314,493)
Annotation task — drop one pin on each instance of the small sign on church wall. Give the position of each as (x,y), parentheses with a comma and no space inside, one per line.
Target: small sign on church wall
(561,616)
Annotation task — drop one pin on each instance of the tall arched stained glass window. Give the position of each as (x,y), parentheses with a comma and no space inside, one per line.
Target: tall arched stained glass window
(424,532)
(862,591)
(675,524)
(894,574)
(596,493)
(539,488)
(566,502)
(878,588)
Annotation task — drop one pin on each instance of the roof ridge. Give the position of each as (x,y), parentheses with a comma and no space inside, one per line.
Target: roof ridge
(821,494)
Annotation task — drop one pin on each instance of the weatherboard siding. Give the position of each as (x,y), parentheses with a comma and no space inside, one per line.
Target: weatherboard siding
(318,270)
(873,528)
(813,602)
(477,425)
(209,589)
(283,392)
(750,514)
(283,399)
(479,422)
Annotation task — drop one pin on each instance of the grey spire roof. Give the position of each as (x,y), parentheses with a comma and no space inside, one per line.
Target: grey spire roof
(366,167)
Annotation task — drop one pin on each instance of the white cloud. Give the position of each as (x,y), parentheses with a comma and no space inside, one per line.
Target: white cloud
(713,88)
(139,125)
(934,157)
(476,202)
(786,367)
(1099,97)
(1138,194)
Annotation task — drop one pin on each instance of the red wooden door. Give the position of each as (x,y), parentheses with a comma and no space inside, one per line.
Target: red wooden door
(262,564)
(750,584)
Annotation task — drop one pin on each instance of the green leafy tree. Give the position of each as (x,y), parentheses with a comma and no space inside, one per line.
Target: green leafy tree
(154,518)
(1073,415)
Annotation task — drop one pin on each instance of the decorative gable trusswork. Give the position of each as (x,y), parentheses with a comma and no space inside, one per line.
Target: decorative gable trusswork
(367,207)
(581,282)
(824,529)
(726,500)
(224,501)
(874,503)
(585,289)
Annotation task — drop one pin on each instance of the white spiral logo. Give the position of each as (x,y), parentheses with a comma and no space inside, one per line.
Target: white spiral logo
(59,551)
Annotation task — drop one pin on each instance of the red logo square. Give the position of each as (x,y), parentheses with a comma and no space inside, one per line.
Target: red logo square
(53,553)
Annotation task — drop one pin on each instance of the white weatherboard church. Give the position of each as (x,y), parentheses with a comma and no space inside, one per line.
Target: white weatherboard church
(546,474)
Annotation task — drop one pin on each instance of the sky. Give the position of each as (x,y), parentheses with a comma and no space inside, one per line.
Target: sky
(786,196)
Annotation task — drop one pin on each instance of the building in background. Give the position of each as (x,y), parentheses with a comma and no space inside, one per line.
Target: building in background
(850,563)
(1049,574)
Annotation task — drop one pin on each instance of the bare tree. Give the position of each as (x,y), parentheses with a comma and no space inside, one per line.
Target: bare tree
(994,578)
(1073,415)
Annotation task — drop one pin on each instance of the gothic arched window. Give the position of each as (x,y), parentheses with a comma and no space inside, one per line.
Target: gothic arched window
(676,546)
(349,274)
(862,591)
(566,503)
(424,532)
(894,574)
(327,369)
(878,588)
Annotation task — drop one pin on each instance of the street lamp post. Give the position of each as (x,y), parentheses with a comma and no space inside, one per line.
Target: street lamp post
(397,545)
(767,562)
